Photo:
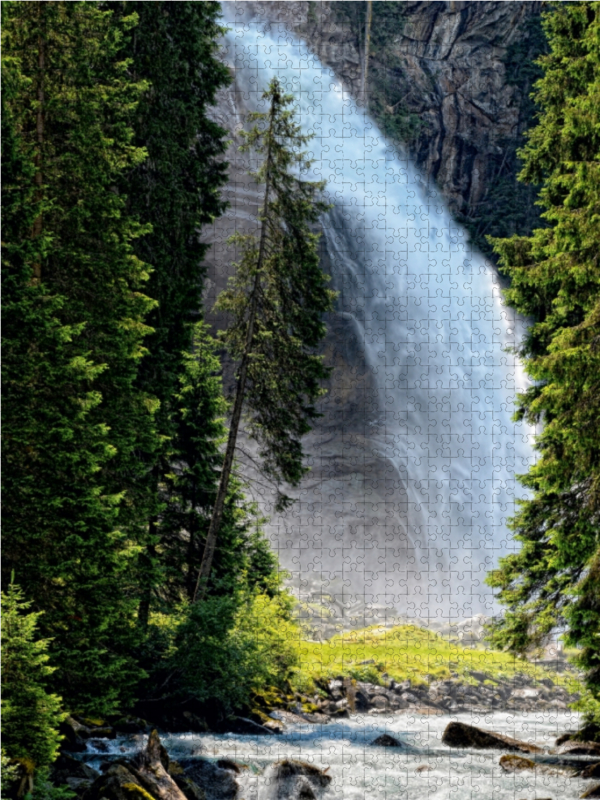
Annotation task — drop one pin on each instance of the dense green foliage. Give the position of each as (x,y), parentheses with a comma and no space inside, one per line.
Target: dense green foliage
(74,323)
(113,414)
(30,713)
(554,580)
(177,190)
(232,648)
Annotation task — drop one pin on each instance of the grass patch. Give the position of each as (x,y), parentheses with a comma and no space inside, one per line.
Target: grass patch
(408,652)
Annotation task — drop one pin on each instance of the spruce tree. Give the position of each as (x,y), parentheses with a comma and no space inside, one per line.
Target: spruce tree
(190,489)
(554,580)
(177,190)
(30,714)
(74,311)
(276,301)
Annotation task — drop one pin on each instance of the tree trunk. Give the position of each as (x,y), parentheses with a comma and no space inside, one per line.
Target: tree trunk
(217,515)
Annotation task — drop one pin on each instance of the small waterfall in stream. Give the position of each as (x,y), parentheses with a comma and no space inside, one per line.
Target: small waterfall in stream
(434,334)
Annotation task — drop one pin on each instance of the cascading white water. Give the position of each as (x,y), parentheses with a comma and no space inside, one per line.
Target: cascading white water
(435,335)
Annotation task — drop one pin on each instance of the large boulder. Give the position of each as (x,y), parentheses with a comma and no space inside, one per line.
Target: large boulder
(244,726)
(74,773)
(144,777)
(117,783)
(459,734)
(216,780)
(296,780)
(130,724)
(593,771)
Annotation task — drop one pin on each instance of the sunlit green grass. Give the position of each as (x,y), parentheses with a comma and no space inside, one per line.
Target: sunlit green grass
(408,652)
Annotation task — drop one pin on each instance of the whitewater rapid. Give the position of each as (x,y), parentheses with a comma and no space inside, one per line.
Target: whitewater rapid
(359,771)
(435,336)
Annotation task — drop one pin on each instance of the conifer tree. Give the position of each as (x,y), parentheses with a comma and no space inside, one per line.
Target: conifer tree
(276,300)
(74,312)
(177,190)
(191,487)
(30,714)
(554,580)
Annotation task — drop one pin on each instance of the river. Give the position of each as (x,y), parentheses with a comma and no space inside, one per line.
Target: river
(362,772)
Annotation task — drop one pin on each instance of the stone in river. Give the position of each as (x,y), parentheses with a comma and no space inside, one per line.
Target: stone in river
(579,749)
(459,734)
(296,780)
(216,782)
(593,791)
(385,740)
(593,771)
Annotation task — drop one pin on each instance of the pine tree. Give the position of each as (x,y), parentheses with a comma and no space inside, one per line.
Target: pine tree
(276,300)
(72,339)
(177,190)
(189,490)
(30,714)
(554,580)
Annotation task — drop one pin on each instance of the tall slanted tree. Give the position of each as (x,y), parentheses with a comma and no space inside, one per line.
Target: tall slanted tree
(276,300)
(74,323)
(199,410)
(554,580)
(177,190)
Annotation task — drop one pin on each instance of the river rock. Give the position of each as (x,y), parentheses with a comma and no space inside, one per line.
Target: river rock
(143,777)
(244,726)
(131,724)
(296,780)
(565,737)
(459,734)
(74,773)
(579,749)
(217,782)
(117,783)
(74,735)
(593,791)
(514,764)
(385,740)
(593,771)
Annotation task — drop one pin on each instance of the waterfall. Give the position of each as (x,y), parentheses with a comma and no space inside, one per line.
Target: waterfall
(434,337)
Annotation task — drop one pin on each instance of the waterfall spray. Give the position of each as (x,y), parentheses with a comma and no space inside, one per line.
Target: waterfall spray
(435,339)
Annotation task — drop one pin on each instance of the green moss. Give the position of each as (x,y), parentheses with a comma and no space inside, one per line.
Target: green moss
(137,791)
(407,652)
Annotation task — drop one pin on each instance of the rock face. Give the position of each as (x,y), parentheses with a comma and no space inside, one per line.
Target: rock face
(459,734)
(447,62)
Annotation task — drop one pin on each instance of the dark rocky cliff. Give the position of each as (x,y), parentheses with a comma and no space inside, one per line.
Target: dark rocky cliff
(451,80)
